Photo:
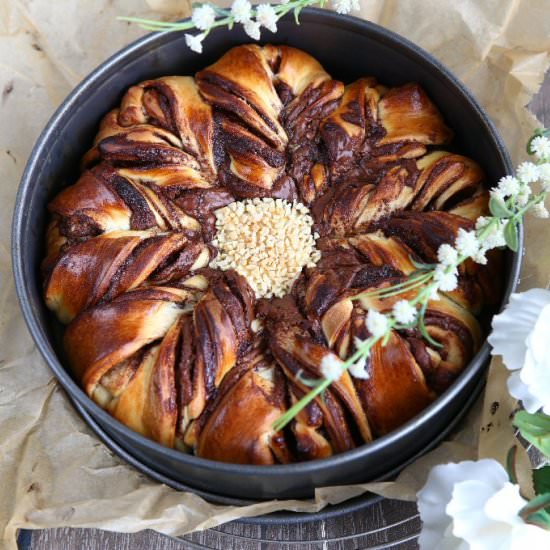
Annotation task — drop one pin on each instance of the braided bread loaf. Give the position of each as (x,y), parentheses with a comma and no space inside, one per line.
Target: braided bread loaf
(188,355)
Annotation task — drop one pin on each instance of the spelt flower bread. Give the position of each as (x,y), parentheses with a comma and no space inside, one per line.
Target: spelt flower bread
(211,253)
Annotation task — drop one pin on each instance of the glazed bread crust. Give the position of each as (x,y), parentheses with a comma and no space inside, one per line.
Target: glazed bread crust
(185,354)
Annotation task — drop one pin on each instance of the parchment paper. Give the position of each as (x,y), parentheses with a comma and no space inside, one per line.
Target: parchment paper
(53,470)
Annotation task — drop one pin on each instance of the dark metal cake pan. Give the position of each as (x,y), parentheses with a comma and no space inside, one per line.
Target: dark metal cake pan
(348,48)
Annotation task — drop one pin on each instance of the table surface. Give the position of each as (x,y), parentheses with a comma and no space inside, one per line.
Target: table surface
(385,524)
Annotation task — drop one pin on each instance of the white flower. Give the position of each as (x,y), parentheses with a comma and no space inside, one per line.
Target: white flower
(544,174)
(522,198)
(540,211)
(203,17)
(520,335)
(331,367)
(528,172)
(482,222)
(358,342)
(252,28)
(531,385)
(473,505)
(241,10)
(345,6)
(445,280)
(488,518)
(497,194)
(404,312)
(194,42)
(447,255)
(377,323)
(266,16)
(479,257)
(359,369)
(541,147)
(434,295)
(466,243)
(495,237)
(508,185)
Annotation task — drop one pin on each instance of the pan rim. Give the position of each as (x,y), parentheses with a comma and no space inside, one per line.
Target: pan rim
(36,328)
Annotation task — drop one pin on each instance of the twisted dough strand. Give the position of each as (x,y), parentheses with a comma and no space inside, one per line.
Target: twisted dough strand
(186,355)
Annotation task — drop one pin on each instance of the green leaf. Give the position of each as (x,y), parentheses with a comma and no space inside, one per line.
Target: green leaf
(420,266)
(540,518)
(310,382)
(535,428)
(511,464)
(511,235)
(541,481)
(536,506)
(498,208)
(538,421)
(536,510)
(297,11)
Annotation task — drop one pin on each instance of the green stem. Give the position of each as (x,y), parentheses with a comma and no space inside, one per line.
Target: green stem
(423,294)
(226,18)
(535,200)
(421,298)
(399,288)
(285,418)
(481,234)
(362,351)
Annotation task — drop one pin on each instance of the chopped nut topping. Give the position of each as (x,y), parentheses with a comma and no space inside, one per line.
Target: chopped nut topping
(267,241)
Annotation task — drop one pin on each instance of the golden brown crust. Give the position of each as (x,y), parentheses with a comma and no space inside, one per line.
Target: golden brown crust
(240,429)
(186,355)
(396,390)
(407,115)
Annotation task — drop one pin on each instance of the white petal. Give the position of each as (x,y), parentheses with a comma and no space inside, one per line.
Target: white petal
(359,369)
(377,323)
(437,492)
(505,505)
(342,6)
(467,508)
(544,173)
(252,28)
(539,210)
(512,327)
(537,341)
(529,537)
(497,536)
(541,147)
(241,11)
(194,42)
(521,392)
(331,367)
(431,500)
(527,172)
(531,385)
(535,374)
(484,515)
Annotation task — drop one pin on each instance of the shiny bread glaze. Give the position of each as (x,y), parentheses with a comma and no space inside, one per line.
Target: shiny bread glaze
(186,355)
